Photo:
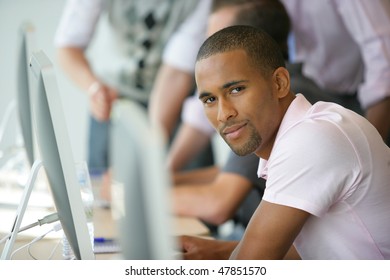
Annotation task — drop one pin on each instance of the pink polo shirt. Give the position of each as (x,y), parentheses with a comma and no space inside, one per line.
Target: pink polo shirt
(332,163)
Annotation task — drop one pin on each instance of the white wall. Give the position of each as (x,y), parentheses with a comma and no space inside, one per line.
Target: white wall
(44,15)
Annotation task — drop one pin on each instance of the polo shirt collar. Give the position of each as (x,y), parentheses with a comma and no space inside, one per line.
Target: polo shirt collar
(295,112)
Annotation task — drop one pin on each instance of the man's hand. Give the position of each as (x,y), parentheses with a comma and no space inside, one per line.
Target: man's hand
(197,248)
(101,98)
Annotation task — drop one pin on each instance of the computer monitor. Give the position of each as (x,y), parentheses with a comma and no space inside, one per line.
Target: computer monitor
(21,104)
(26,46)
(142,182)
(57,156)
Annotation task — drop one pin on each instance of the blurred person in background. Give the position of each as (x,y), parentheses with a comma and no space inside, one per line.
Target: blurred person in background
(147,46)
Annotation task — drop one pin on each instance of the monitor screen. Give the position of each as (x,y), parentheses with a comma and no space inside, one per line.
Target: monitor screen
(140,201)
(57,156)
(26,46)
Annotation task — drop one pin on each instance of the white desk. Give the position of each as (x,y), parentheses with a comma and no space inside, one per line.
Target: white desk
(104,227)
(41,204)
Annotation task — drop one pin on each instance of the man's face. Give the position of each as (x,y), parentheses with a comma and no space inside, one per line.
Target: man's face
(241,104)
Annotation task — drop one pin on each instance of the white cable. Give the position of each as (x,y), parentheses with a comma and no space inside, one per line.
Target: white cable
(28,244)
(53,251)
(29,252)
(45,220)
(56,227)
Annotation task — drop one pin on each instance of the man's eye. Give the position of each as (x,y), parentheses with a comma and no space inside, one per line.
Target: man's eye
(237,89)
(209,100)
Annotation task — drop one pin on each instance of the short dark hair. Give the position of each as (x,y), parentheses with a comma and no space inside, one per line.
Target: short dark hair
(264,53)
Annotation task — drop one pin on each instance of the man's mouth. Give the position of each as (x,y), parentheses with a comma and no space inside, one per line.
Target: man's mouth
(233,131)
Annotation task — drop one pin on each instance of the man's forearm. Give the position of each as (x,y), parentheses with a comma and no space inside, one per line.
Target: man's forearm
(379,115)
(194,201)
(195,248)
(170,89)
(76,66)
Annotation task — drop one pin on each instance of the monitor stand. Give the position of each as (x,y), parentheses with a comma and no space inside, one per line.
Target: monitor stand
(21,210)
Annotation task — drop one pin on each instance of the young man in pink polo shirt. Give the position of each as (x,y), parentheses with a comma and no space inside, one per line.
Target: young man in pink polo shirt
(327,168)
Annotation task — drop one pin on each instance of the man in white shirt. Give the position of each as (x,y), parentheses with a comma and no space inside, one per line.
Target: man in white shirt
(327,168)
(345,49)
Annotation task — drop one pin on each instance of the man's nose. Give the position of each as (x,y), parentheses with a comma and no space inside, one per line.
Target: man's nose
(226,110)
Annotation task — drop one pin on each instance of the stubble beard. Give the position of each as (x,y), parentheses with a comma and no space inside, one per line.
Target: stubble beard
(249,146)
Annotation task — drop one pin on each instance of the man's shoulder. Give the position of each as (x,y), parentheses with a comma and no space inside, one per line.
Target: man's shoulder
(321,133)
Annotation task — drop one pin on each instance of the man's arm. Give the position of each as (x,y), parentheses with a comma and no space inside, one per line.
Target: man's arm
(271,232)
(215,202)
(197,248)
(203,175)
(188,142)
(73,36)
(175,79)
(379,116)
(171,87)
(101,96)
(76,66)
(74,33)
(372,33)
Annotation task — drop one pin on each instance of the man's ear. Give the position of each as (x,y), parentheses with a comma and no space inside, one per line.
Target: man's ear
(281,79)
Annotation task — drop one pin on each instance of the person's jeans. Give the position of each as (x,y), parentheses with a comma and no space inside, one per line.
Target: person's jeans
(98,143)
